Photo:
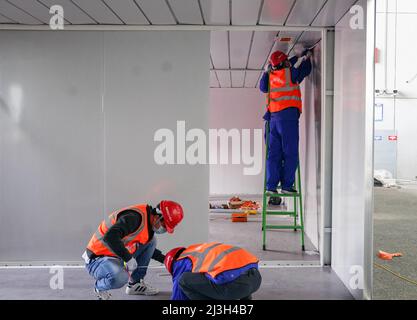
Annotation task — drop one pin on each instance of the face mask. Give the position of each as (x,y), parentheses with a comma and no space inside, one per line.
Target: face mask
(161,229)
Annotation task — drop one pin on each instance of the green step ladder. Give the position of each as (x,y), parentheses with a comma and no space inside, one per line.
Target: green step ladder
(296,213)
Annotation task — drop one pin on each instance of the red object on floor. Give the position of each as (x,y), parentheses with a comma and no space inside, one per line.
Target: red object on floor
(239,217)
(388,256)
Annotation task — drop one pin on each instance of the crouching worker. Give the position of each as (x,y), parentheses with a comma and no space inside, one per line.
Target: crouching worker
(214,271)
(123,245)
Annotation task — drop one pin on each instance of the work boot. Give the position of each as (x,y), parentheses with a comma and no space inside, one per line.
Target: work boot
(141,288)
(102,295)
(275,201)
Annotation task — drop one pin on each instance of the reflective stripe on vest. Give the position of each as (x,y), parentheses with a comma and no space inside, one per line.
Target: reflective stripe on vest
(212,267)
(100,247)
(283,93)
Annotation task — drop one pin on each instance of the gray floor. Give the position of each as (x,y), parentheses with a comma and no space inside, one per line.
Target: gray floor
(281,244)
(278,284)
(395,229)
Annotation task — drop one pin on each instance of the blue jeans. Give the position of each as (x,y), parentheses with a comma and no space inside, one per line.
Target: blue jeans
(282,160)
(110,272)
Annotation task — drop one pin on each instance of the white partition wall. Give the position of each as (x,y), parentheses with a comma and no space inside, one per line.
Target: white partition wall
(352,153)
(237,108)
(78,114)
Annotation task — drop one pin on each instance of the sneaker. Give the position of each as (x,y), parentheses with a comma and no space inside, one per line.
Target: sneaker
(102,295)
(289,191)
(141,288)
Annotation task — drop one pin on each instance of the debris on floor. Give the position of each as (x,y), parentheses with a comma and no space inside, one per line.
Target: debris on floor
(388,256)
(239,217)
(234,203)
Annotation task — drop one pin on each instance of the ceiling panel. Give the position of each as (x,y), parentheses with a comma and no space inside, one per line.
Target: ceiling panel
(262,43)
(128,11)
(275,12)
(238,77)
(216,11)
(157,11)
(332,12)
(11,12)
(186,11)
(36,9)
(245,12)
(224,78)
(98,11)
(213,80)
(72,13)
(304,12)
(219,49)
(239,48)
(4,19)
(283,45)
(310,38)
(251,79)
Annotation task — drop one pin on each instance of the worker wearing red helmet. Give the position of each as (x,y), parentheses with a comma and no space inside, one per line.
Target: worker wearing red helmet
(281,82)
(120,250)
(212,271)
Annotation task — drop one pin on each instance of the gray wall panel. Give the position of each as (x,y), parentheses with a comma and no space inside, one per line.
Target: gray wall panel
(77,125)
(50,151)
(149,87)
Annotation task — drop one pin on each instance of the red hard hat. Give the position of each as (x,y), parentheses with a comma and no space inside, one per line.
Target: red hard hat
(171,256)
(172,213)
(277,57)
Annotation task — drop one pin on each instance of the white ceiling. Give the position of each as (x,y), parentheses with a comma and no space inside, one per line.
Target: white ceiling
(236,56)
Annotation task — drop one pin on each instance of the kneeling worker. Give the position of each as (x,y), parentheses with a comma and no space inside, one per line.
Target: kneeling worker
(212,271)
(123,245)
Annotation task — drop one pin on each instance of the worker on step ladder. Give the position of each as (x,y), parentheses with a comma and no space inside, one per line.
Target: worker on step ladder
(280,82)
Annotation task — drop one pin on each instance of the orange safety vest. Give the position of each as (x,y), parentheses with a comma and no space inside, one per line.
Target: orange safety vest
(215,257)
(141,235)
(283,93)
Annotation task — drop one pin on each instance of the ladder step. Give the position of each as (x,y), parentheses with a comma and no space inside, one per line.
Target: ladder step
(283,195)
(282,227)
(280,213)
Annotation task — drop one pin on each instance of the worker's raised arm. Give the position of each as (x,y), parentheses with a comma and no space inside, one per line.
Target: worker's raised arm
(301,68)
(263,84)
(127,223)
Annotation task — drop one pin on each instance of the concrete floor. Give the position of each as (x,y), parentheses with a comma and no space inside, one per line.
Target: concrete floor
(281,244)
(278,284)
(395,229)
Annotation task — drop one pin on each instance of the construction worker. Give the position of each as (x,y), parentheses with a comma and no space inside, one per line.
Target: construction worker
(123,245)
(281,79)
(212,271)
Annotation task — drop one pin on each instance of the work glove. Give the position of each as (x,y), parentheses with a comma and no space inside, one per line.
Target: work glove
(268,67)
(131,265)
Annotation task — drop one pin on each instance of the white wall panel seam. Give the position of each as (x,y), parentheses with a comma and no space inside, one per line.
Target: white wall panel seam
(201,12)
(172,11)
(347,11)
(75,4)
(112,11)
(7,18)
(261,5)
(143,12)
(20,9)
